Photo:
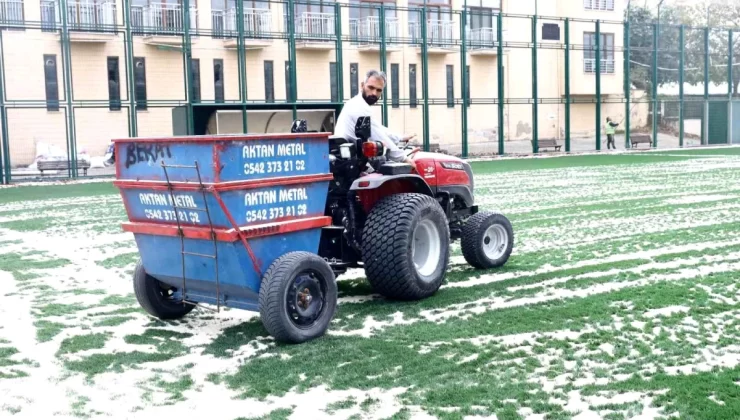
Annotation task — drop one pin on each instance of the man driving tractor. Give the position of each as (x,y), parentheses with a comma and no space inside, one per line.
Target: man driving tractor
(359,106)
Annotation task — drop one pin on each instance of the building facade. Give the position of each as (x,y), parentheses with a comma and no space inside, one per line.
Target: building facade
(34,65)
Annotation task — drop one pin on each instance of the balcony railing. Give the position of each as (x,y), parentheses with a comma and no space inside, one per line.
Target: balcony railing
(11,13)
(314,26)
(607,65)
(367,30)
(83,15)
(480,38)
(439,32)
(257,23)
(162,19)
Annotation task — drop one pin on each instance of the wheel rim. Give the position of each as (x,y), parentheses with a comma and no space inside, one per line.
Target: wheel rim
(305,300)
(165,291)
(494,241)
(425,247)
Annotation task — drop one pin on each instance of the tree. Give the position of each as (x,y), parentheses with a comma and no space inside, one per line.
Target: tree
(642,46)
(720,17)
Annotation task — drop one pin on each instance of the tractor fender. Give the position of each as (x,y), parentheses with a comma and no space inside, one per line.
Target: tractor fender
(375,181)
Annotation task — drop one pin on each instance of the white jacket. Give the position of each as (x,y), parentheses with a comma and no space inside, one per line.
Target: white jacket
(345,127)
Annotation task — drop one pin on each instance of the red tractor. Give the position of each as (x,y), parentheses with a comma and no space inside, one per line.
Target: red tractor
(397,221)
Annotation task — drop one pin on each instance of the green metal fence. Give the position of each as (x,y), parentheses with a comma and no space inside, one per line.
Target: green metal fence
(559,77)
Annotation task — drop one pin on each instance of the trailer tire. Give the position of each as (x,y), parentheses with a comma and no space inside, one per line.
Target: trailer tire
(282,302)
(389,252)
(152,296)
(487,240)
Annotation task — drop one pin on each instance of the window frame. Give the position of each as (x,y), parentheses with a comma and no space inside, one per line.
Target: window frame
(607,52)
(594,5)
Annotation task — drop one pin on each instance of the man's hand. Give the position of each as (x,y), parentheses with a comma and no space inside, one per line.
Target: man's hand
(407,138)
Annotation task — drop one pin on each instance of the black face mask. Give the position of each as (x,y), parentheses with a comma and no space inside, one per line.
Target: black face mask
(370,99)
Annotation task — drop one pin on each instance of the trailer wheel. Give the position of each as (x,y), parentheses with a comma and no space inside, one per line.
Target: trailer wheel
(155,296)
(298,297)
(406,246)
(487,240)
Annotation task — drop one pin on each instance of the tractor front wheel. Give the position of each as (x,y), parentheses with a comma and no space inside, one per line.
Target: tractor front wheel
(298,297)
(406,246)
(487,240)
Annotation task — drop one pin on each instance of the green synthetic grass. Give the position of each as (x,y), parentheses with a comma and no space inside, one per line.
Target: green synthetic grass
(569,161)
(581,309)
(48,192)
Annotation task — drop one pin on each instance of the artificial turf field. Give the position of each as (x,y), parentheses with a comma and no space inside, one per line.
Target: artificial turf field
(621,300)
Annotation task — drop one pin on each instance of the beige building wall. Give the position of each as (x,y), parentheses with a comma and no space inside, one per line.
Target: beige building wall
(96,124)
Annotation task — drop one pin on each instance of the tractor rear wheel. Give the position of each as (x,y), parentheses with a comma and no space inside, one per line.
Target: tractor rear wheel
(487,240)
(406,246)
(298,297)
(156,297)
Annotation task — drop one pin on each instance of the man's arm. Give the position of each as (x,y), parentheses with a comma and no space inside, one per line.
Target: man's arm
(389,140)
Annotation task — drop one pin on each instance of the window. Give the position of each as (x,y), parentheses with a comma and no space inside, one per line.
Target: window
(368,11)
(395,89)
(269,82)
(606,53)
(218,79)
(52,82)
(550,32)
(114,84)
(333,82)
(412,86)
(440,26)
(598,5)
(316,18)
(140,83)
(450,86)
(195,73)
(481,18)
(354,87)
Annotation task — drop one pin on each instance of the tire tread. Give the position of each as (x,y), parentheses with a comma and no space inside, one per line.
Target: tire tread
(385,241)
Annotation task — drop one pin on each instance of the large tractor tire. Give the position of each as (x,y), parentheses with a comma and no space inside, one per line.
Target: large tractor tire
(487,240)
(298,297)
(406,246)
(155,296)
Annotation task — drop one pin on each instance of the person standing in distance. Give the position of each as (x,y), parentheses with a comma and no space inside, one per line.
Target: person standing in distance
(359,106)
(610,126)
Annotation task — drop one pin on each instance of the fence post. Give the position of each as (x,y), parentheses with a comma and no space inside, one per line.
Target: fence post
(598,85)
(627,85)
(680,86)
(655,85)
(67,75)
(340,57)
(242,63)
(465,81)
(535,134)
(383,61)
(292,59)
(730,86)
(4,140)
(567,85)
(500,64)
(188,64)
(705,119)
(133,129)
(425,75)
